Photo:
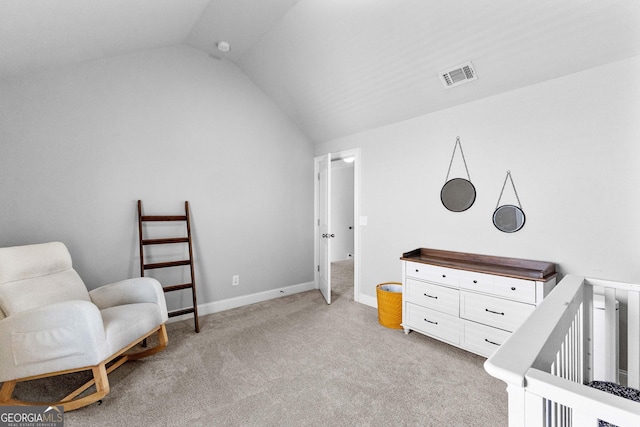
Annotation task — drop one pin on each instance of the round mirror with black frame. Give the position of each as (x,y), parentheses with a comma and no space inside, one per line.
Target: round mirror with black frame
(458,194)
(509,218)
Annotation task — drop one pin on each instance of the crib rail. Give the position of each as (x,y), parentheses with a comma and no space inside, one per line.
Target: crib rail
(548,359)
(556,401)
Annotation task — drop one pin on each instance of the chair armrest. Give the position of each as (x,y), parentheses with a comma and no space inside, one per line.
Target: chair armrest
(129,291)
(55,337)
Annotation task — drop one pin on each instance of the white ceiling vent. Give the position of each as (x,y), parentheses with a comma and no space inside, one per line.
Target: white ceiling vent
(458,75)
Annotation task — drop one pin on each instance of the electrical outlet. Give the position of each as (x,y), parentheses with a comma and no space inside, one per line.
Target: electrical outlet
(235,281)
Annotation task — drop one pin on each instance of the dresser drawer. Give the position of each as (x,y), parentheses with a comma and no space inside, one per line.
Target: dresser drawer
(496,312)
(446,276)
(516,289)
(507,287)
(481,339)
(476,282)
(431,322)
(440,298)
(417,270)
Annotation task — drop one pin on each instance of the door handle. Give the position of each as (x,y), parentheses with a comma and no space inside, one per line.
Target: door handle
(328,236)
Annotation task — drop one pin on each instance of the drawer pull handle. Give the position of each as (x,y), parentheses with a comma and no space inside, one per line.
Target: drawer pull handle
(491,342)
(429,321)
(417,271)
(430,296)
(494,312)
(444,275)
(513,288)
(475,281)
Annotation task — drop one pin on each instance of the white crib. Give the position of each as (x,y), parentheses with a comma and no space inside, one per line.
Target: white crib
(549,359)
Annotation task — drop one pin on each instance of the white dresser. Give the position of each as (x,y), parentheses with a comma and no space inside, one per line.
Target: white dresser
(471,301)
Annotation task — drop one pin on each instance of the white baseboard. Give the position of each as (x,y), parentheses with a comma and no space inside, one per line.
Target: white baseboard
(368,300)
(228,304)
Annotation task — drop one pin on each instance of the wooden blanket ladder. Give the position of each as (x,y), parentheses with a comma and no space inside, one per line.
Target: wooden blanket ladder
(170,240)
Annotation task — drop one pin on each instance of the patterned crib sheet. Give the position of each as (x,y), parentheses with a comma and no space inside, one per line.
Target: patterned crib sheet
(617,390)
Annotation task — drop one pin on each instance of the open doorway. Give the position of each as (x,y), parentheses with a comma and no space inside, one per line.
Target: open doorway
(337,233)
(342,226)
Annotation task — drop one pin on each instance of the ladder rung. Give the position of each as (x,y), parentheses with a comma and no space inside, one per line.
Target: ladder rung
(177,287)
(166,264)
(165,240)
(181,312)
(163,218)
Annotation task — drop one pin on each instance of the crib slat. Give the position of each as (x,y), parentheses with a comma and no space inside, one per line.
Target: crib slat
(580,354)
(633,340)
(587,341)
(610,342)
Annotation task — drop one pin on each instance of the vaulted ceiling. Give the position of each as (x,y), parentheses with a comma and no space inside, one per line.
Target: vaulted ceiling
(337,67)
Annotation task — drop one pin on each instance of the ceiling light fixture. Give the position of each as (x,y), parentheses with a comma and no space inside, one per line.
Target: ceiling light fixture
(223,46)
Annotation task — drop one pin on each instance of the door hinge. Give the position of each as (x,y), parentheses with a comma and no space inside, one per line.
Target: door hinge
(318,267)
(318,222)
(318,176)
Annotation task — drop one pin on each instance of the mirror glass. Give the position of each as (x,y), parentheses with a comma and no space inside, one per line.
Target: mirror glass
(508,218)
(458,194)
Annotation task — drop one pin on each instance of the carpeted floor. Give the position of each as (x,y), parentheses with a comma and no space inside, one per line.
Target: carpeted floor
(296,361)
(342,280)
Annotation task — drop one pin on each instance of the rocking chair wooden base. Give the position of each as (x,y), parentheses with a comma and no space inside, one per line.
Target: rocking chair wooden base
(99,380)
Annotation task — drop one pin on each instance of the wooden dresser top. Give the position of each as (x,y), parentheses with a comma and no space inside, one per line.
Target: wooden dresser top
(501,266)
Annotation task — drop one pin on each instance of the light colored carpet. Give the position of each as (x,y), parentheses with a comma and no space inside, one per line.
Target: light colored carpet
(342,280)
(296,361)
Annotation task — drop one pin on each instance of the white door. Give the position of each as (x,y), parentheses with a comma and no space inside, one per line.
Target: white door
(324,227)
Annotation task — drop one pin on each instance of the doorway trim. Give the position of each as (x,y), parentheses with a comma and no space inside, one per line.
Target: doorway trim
(355,152)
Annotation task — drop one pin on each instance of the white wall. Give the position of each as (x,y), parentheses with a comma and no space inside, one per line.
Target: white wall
(342,210)
(79,145)
(572,146)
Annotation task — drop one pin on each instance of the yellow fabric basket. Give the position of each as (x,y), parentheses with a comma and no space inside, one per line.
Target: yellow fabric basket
(390,304)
